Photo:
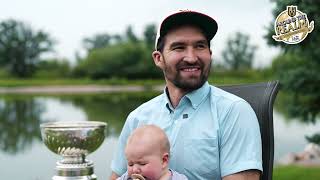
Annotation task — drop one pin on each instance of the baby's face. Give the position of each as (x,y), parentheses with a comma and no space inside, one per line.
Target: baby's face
(146,162)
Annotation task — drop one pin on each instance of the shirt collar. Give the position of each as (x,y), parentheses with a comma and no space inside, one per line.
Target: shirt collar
(198,95)
(195,97)
(167,100)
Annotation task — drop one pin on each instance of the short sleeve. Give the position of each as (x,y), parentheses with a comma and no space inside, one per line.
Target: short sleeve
(240,140)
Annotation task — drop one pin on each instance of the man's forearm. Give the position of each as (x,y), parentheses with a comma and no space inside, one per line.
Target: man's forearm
(244,175)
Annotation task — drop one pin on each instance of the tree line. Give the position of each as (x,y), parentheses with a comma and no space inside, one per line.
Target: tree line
(107,55)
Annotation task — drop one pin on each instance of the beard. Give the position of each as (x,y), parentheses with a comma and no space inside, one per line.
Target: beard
(173,74)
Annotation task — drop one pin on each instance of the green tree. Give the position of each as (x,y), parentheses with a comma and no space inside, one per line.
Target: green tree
(21,46)
(53,68)
(238,53)
(126,57)
(97,41)
(130,35)
(117,38)
(298,66)
(147,66)
(314,138)
(150,35)
(118,60)
(301,100)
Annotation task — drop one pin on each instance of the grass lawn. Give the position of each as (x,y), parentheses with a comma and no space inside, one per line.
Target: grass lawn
(217,78)
(296,173)
(68,81)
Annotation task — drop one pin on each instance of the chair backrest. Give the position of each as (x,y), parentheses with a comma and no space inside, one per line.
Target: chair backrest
(261,97)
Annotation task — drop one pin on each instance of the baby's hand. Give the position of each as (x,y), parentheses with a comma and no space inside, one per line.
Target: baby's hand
(137,177)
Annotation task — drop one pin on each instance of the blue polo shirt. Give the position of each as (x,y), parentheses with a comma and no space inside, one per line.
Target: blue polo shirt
(212,133)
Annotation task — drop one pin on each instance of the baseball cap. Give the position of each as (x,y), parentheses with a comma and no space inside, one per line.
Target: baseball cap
(203,21)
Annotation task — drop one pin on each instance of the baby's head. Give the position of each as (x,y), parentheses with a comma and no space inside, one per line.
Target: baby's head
(147,152)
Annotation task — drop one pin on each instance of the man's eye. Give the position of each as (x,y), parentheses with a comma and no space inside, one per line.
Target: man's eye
(178,48)
(142,164)
(130,165)
(201,46)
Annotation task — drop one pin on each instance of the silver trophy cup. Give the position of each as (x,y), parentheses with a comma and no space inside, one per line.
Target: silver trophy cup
(73,141)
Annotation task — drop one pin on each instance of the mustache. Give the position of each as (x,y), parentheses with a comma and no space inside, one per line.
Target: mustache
(183,64)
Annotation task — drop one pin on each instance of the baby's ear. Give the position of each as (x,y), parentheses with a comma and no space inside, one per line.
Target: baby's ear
(165,158)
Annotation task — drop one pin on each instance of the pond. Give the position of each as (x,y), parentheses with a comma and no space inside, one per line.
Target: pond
(23,155)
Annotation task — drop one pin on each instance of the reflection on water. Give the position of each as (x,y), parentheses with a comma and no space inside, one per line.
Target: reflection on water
(21,116)
(19,123)
(21,147)
(55,107)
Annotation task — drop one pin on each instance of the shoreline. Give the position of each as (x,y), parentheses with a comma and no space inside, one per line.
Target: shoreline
(78,89)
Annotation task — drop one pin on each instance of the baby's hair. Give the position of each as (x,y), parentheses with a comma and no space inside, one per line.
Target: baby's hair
(154,132)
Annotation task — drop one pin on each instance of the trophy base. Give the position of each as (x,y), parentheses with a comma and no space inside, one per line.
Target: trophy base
(74,172)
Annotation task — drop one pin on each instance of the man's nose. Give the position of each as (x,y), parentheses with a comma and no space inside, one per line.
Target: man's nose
(190,56)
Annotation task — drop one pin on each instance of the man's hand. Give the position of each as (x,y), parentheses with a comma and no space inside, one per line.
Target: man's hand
(244,175)
(113,176)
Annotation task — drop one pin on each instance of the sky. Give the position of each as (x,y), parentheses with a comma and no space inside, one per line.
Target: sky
(70,21)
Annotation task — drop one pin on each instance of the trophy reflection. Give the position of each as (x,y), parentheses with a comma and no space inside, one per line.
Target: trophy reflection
(73,141)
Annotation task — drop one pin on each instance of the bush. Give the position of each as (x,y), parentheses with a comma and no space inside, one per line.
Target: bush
(53,68)
(124,60)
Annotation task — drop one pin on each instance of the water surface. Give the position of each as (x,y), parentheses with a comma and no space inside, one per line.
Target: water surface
(24,156)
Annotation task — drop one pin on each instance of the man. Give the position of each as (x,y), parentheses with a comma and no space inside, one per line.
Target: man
(213,134)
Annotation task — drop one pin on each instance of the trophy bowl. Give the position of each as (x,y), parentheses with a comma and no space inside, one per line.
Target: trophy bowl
(73,138)
(73,141)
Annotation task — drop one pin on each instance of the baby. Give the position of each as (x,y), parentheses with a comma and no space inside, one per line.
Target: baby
(147,152)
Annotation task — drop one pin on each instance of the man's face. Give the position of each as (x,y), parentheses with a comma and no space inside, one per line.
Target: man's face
(186,58)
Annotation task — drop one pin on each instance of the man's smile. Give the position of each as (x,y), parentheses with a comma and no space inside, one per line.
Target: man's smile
(190,69)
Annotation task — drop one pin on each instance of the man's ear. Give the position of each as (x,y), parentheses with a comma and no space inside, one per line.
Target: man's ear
(211,55)
(158,59)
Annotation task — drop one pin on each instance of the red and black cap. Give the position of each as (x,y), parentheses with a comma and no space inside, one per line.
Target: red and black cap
(206,23)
